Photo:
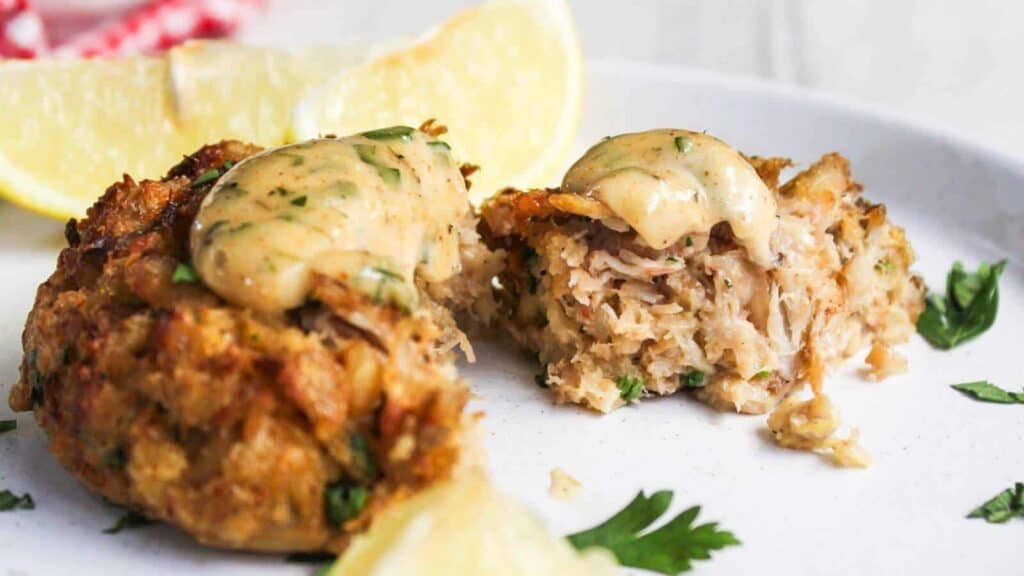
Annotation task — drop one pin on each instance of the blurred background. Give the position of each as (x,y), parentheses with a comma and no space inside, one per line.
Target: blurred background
(944,62)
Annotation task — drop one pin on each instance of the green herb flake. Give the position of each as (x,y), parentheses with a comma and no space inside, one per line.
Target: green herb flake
(667,550)
(1006,505)
(8,425)
(368,154)
(985,391)
(439,146)
(300,201)
(672,259)
(763,374)
(884,266)
(184,274)
(208,176)
(343,502)
(630,387)
(694,379)
(361,456)
(399,132)
(11,501)
(128,521)
(728,282)
(683,144)
(689,242)
(967,309)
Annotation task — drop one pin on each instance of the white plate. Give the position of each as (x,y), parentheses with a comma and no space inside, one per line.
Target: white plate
(937,454)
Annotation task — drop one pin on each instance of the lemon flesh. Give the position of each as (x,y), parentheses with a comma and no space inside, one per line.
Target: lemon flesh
(68,129)
(504,77)
(465,528)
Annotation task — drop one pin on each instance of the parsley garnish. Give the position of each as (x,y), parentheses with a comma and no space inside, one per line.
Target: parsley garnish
(693,379)
(128,521)
(361,457)
(1006,505)
(667,550)
(300,201)
(209,175)
(683,144)
(439,146)
(884,266)
(343,502)
(212,174)
(967,310)
(8,425)
(400,132)
(184,274)
(630,387)
(368,154)
(11,501)
(985,391)
(762,374)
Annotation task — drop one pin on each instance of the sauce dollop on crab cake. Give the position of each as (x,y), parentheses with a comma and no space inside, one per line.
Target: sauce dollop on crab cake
(668,261)
(258,348)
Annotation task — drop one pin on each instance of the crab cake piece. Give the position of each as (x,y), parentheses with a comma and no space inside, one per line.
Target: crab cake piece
(244,351)
(668,261)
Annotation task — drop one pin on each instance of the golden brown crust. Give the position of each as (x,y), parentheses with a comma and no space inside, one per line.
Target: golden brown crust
(162,397)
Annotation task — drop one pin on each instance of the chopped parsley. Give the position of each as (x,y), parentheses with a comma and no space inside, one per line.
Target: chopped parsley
(693,379)
(728,282)
(689,241)
(399,132)
(368,154)
(11,501)
(343,502)
(184,274)
(300,201)
(361,456)
(762,374)
(439,146)
(666,550)
(1006,505)
(212,174)
(967,309)
(630,387)
(985,391)
(129,520)
(8,425)
(683,144)
(885,266)
(208,176)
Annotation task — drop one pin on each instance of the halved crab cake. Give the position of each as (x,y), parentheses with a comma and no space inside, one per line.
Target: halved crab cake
(220,350)
(667,261)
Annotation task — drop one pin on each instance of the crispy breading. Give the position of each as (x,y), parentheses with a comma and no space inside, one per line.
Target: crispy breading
(164,398)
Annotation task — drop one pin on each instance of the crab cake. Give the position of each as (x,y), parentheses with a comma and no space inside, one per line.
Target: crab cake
(257,348)
(667,260)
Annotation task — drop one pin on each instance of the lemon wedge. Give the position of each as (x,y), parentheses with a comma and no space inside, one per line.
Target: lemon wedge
(464,528)
(505,77)
(68,129)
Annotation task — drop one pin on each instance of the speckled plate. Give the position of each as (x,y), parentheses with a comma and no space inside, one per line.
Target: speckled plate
(937,454)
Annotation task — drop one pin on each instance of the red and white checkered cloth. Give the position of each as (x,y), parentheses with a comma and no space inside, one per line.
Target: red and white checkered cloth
(154,26)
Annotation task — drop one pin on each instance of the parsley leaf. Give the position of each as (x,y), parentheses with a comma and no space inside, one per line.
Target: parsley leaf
(184,274)
(666,550)
(985,391)
(968,308)
(8,425)
(208,176)
(11,501)
(694,379)
(630,387)
(128,521)
(1006,505)
(343,502)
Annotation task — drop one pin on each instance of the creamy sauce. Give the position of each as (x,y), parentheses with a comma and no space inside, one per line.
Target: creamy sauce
(667,184)
(372,210)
